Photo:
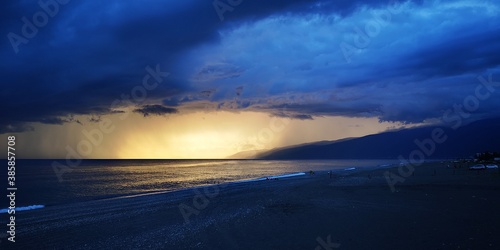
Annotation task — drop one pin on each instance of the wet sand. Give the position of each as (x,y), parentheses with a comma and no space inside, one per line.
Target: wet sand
(435,208)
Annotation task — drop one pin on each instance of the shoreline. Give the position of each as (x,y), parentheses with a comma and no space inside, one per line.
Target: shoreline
(355,208)
(41,186)
(146,193)
(340,172)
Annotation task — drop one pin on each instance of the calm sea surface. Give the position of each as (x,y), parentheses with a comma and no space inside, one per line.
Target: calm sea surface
(38,184)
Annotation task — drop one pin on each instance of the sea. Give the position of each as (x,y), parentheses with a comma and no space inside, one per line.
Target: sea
(38,185)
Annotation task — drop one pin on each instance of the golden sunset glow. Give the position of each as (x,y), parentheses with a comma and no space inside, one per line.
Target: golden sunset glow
(196,135)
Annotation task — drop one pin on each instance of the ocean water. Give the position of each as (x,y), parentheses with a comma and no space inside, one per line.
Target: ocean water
(38,184)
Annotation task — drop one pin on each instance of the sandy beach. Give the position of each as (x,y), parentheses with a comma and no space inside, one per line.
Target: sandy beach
(436,208)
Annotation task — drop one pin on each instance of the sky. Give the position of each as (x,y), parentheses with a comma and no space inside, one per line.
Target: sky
(207,79)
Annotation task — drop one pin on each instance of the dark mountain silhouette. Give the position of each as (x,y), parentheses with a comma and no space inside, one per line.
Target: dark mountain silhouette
(249,154)
(479,136)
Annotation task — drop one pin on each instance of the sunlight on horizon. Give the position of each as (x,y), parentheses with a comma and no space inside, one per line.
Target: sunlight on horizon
(196,135)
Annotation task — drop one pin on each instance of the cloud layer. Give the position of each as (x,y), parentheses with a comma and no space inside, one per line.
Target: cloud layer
(399,61)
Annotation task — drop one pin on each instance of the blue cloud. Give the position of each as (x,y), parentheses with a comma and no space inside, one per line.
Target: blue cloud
(410,62)
(407,62)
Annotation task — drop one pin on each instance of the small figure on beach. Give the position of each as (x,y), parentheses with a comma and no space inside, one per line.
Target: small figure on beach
(330,173)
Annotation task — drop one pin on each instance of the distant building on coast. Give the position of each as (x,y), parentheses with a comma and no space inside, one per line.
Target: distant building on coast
(487,156)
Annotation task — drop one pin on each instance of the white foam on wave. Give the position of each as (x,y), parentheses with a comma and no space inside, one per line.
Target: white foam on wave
(349,169)
(32,207)
(288,175)
(271,177)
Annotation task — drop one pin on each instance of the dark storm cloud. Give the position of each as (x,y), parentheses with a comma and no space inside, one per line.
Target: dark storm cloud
(217,71)
(157,110)
(92,53)
(293,116)
(422,60)
(470,51)
(16,127)
(58,121)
